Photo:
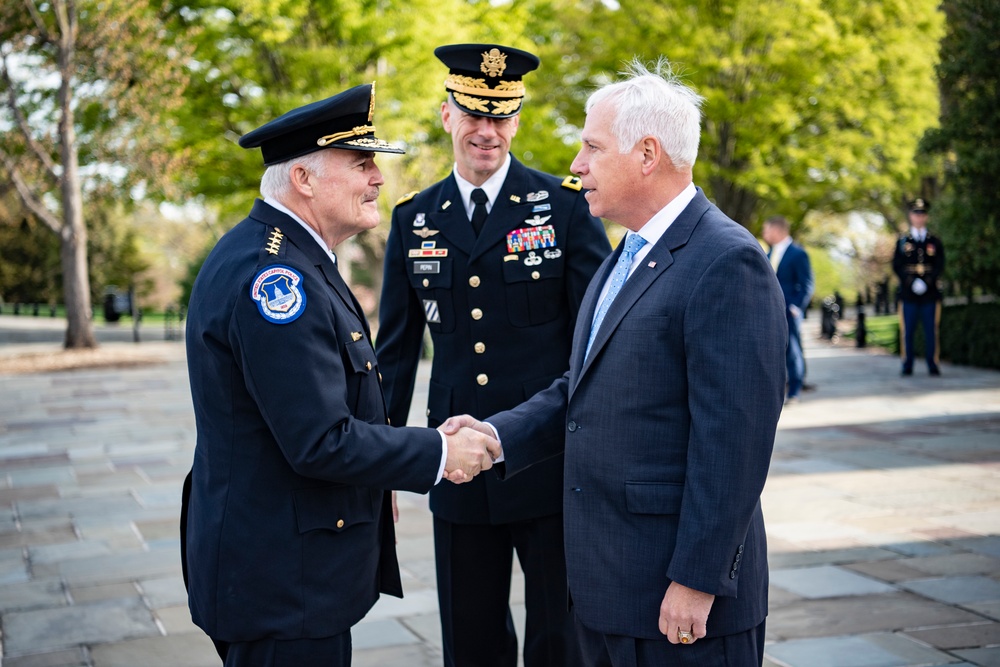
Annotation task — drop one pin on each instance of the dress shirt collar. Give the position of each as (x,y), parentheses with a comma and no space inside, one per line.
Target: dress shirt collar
(778,251)
(491,187)
(274,203)
(659,223)
(918,234)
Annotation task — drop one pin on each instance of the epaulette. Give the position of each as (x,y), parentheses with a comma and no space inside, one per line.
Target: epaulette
(273,245)
(407,197)
(572,183)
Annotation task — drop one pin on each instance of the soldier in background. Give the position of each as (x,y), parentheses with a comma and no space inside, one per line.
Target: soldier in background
(495,260)
(919,262)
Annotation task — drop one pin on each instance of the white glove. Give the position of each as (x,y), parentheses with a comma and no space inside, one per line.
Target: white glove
(919,286)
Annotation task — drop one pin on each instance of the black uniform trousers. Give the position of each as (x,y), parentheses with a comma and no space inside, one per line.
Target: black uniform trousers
(325,652)
(474,590)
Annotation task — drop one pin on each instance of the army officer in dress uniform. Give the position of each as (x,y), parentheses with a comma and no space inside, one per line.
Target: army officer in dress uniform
(494,259)
(918,263)
(287,535)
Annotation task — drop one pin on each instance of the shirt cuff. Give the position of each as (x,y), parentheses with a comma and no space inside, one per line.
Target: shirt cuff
(496,435)
(444,457)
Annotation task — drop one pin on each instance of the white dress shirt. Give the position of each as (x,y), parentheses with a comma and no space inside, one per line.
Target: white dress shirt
(491,187)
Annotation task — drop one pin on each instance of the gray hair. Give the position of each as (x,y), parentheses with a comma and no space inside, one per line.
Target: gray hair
(654,103)
(277,178)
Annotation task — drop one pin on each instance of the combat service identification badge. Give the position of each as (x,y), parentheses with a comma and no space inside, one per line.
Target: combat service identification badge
(279,294)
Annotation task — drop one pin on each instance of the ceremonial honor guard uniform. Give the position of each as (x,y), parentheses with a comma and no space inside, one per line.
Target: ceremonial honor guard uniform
(501,307)
(287,532)
(918,263)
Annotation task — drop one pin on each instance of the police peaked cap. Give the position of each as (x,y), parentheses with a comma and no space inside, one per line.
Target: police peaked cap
(342,121)
(485,79)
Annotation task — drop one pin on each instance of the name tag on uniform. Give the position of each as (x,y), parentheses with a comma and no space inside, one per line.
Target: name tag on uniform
(427,267)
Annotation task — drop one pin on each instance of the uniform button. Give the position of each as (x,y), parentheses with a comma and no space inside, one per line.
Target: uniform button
(535,275)
(740,550)
(477,314)
(379,377)
(427,283)
(732,575)
(474,281)
(368,365)
(571,426)
(576,488)
(739,557)
(388,421)
(482,378)
(479,348)
(340,523)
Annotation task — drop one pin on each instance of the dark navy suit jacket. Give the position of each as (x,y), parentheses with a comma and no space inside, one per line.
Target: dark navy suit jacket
(667,429)
(289,526)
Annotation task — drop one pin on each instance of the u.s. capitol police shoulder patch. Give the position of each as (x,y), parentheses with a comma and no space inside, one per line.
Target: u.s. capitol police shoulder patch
(279,294)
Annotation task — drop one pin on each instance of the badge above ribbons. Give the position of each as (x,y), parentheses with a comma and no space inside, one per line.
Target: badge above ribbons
(279,294)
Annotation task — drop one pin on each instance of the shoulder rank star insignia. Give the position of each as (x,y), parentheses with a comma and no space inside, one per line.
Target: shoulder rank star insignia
(423,232)
(355,336)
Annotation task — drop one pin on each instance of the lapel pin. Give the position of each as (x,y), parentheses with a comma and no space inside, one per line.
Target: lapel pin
(652,265)
(355,336)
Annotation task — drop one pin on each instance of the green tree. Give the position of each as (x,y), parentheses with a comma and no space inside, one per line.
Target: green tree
(82,87)
(810,104)
(968,144)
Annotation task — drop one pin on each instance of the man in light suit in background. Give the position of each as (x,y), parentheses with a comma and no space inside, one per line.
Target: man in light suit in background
(668,412)
(791,264)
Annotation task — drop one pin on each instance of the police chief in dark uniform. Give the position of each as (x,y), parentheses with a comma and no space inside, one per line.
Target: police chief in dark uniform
(494,260)
(287,533)
(918,263)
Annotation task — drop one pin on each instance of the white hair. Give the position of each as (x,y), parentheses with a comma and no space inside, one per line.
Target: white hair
(277,178)
(654,103)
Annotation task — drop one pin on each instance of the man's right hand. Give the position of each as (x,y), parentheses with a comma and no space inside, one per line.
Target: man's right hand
(469,452)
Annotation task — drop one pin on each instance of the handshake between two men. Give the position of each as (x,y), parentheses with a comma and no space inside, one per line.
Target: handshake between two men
(472,448)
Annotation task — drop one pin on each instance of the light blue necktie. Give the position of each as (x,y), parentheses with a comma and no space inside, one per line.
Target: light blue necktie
(633,242)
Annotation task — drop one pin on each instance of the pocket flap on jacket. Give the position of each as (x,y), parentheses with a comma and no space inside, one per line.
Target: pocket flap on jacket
(362,356)
(334,508)
(653,497)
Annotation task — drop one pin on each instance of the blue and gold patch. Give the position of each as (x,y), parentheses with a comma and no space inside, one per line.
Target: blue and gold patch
(279,294)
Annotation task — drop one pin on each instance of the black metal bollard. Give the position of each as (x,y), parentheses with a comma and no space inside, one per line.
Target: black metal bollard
(861,332)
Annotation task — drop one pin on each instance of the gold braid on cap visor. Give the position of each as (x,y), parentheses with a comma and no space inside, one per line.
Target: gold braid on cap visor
(337,136)
(473,86)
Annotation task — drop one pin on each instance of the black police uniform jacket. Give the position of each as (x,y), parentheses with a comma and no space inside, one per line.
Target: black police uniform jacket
(919,259)
(501,310)
(289,527)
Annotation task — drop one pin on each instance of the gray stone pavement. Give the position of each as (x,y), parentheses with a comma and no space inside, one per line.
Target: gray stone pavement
(882,508)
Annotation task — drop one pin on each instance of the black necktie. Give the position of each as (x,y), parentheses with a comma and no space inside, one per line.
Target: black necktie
(479,198)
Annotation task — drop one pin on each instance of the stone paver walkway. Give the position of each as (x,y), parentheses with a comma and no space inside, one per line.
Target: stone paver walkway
(882,508)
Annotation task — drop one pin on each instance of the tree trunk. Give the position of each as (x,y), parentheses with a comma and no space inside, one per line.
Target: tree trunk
(73,235)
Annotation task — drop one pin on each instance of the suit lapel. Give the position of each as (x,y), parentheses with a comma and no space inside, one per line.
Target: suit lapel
(654,264)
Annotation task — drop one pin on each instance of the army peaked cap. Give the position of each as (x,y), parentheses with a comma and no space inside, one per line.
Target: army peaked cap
(485,79)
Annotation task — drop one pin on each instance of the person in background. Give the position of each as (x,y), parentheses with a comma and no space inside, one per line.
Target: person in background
(791,264)
(918,263)
(493,259)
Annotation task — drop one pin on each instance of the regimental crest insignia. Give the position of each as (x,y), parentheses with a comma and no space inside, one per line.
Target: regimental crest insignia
(494,62)
(279,294)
